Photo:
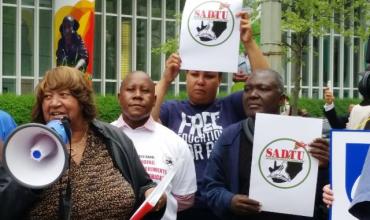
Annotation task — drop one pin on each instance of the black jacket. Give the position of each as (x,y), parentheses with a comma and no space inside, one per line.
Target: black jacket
(15,200)
(336,121)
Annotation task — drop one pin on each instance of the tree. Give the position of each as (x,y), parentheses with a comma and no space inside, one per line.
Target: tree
(316,17)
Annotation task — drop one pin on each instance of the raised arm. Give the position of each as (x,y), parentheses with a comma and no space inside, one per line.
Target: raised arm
(171,71)
(255,55)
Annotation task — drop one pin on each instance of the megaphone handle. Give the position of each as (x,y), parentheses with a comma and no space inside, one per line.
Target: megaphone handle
(65,202)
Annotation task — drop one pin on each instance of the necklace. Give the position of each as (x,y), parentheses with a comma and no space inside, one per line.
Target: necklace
(78,148)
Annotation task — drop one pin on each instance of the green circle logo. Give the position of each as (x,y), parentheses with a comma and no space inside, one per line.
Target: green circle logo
(285,163)
(211,23)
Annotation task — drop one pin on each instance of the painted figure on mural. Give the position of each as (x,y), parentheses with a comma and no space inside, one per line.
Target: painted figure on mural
(71,48)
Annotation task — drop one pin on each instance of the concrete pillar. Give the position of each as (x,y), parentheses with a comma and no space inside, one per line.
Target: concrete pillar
(271,33)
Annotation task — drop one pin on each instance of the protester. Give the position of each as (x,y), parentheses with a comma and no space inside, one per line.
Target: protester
(200,119)
(227,176)
(158,147)
(108,180)
(360,114)
(7,124)
(330,112)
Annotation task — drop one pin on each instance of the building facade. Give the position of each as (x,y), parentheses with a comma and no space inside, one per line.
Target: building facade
(126,31)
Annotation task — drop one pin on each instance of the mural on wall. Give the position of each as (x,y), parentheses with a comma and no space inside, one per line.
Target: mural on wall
(74,35)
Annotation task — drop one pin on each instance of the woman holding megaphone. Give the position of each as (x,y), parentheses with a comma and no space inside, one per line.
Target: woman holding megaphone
(104,178)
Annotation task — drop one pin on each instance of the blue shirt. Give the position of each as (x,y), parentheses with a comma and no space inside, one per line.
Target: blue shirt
(7,125)
(200,126)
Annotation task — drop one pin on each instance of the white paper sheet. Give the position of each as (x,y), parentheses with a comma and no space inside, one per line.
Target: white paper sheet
(210,35)
(284,174)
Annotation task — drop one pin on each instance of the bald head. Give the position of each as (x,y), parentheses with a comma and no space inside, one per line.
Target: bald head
(136,98)
(137,75)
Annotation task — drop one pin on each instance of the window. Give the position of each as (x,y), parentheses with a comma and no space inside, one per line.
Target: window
(27,50)
(45,42)
(9,38)
(111,48)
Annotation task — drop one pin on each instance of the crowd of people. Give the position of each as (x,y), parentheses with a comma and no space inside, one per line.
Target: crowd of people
(114,167)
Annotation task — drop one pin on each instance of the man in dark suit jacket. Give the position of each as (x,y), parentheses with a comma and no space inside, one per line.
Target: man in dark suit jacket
(335,121)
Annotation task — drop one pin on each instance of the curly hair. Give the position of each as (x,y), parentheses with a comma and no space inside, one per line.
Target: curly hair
(61,78)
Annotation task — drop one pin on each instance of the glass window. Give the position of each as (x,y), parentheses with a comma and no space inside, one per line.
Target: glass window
(111,48)
(127,7)
(126,46)
(346,94)
(156,8)
(336,61)
(27,86)
(336,92)
(337,21)
(111,6)
(170,8)
(315,62)
(8,85)
(304,92)
(27,50)
(156,58)
(305,65)
(356,60)
(45,41)
(47,3)
(170,29)
(142,7)
(96,87)
(326,57)
(110,88)
(356,94)
(346,67)
(315,94)
(97,47)
(28,2)
(141,45)
(98,5)
(9,40)
(10,1)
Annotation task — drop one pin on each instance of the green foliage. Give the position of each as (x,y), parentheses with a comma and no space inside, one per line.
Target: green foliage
(315,106)
(20,107)
(108,108)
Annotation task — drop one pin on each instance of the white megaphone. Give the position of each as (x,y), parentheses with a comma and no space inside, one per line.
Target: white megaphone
(35,155)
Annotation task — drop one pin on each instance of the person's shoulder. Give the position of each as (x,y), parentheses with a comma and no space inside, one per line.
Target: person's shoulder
(230,133)
(4,114)
(6,117)
(234,95)
(233,128)
(107,129)
(175,102)
(167,133)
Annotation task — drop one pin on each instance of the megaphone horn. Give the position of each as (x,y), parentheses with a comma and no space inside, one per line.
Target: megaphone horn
(35,155)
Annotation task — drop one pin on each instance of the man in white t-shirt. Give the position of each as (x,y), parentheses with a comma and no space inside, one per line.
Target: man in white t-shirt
(158,147)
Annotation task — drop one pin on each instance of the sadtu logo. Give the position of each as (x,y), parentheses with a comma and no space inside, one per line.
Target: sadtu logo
(211,23)
(285,163)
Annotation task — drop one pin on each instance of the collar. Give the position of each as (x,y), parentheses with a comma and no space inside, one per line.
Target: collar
(149,124)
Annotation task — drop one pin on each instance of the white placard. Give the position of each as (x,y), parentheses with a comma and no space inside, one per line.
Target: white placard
(284,174)
(210,35)
(348,154)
